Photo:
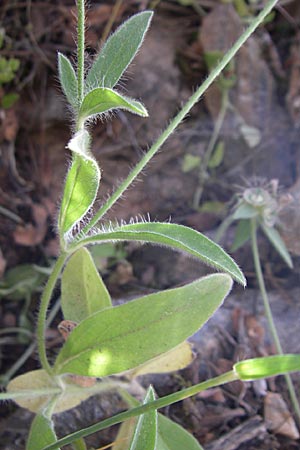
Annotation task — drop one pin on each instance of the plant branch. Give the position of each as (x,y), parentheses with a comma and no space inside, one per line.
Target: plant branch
(45,300)
(211,145)
(269,315)
(80,48)
(156,404)
(181,115)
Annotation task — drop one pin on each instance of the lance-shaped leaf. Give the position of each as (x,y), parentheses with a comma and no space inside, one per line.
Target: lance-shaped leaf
(170,435)
(145,432)
(41,433)
(278,243)
(82,289)
(81,185)
(101,100)
(123,337)
(178,237)
(268,366)
(68,79)
(118,52)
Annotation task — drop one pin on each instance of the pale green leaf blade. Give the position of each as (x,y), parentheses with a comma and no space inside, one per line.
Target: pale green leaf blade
(217,156)
(242,234)
(82,289)
(101,100)
(81,185)
(123,337)
(175,359)
(278,243)
(245,211)
(68,80)
(145,432)
(41,433)
(178,237)
(118,52)
(268,366)
(172,436)
(33,390)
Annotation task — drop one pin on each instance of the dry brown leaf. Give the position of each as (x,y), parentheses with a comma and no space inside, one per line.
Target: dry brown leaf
(278,417)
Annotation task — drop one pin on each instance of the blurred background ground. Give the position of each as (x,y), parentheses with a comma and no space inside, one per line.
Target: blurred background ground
(259,138)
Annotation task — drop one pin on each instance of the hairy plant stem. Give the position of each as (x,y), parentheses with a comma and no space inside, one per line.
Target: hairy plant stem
(45,300)
(210,148)
(80,48)
(269,315)
(156,404)
(180,116)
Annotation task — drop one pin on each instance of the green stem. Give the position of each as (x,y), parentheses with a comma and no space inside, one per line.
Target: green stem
(156,404)
(80,48)
(269,315)
(181,115)
(211,145)
(45,300)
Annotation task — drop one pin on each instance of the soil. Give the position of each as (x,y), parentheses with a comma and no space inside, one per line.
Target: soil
(260,135)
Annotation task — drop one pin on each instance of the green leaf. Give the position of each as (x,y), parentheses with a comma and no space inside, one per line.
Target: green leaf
(101,100)
(33,390)
(41,433)
(8,100)
(145,432)
(118,52)
(268,366)
(242,234)
(277,242)
(82,289)
(21,281)
(172,436)
(190,162)
(81,185)
(175,236)
(244,211)
(123,337)
(68,80)
(217,156)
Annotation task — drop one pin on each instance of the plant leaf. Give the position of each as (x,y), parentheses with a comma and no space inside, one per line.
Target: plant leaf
(242,234)
(175,359)
(101,100)
(118,52)
(41,433)
(269,366)
(217,156)
(123,337)
(68,80)
(36,388)
(81,185)
(145,432)
(175,236)
(172,436)
(278,243)
(82,289)
(244,211)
